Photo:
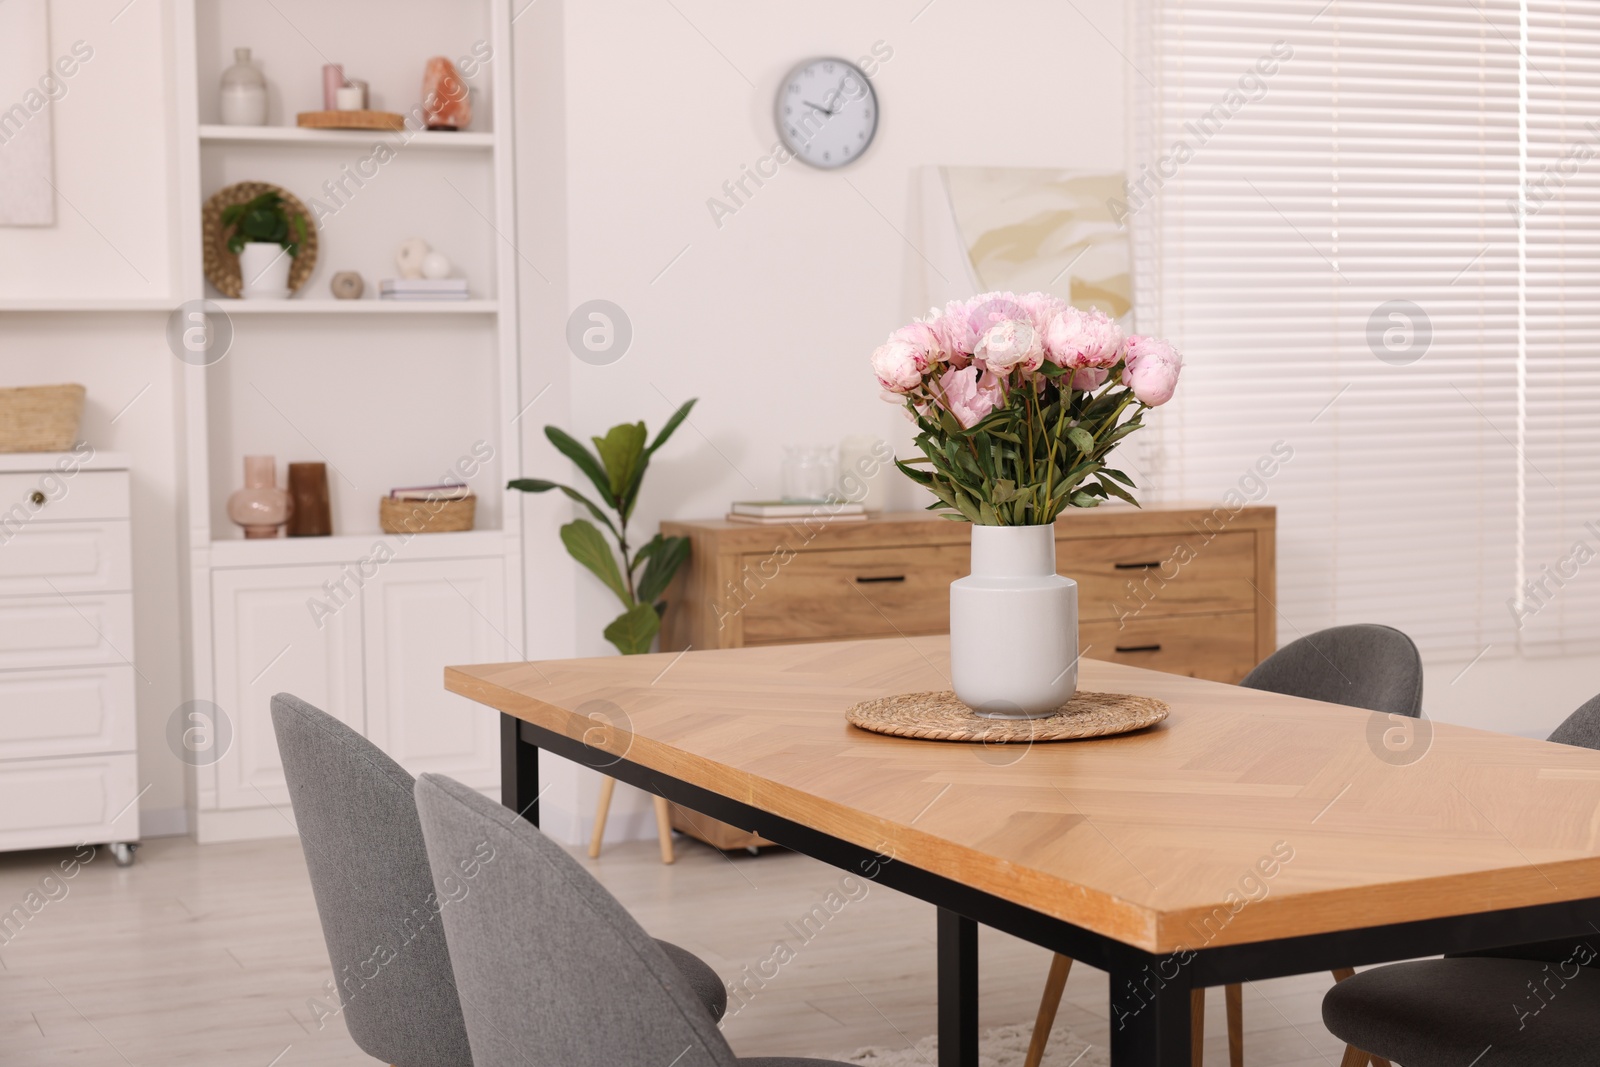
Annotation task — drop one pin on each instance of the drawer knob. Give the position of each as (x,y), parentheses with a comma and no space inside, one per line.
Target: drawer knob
(1138,648)
(883,578)
(37,498)
(1150,566)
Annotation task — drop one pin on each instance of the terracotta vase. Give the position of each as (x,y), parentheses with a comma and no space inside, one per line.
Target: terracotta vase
(446,104)
(260,507)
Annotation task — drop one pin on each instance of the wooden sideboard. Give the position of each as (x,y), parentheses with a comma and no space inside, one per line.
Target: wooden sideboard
(1187,590)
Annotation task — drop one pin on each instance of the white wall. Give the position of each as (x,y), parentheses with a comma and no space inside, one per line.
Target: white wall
(769,319)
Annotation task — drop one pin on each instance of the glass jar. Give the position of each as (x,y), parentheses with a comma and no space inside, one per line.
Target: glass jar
(810,473)
(244,92)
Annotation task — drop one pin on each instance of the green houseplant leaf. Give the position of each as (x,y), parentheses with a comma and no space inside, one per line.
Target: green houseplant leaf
(584,460)
(585,545)
(539,485)
(620,451)
(634,629)
(667,556)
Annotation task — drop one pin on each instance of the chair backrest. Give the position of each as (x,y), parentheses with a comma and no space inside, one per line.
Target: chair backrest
(1362,666)
(374,891)
(1581,728)
(551,968)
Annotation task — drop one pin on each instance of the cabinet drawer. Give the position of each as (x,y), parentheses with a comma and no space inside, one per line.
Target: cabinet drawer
(842,593)
(1162,575)
(50,802)
(55,496)
(1219,647)
(78,557)
(66,631)
(66,712)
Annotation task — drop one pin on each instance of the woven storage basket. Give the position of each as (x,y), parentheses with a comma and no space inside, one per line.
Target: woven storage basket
(40,418)
(426,516)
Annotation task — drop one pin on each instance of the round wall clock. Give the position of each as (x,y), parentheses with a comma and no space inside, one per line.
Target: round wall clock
(826,112)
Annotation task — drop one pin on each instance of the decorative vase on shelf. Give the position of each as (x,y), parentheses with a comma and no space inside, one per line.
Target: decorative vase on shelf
(244,92)
(264,270)
(260,507)
(1014,625)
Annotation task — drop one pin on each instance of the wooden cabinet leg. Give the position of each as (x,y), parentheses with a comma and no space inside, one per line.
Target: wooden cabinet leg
(664,828)
(608,786)
(1233,995)
(1054,984)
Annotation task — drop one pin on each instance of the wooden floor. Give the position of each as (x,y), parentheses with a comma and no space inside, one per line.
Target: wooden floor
(212,956)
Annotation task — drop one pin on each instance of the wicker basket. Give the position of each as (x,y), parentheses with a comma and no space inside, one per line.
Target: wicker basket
(426,516)
(40,418)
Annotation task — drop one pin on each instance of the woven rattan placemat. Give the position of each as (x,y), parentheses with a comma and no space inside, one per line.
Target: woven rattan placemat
(939,716)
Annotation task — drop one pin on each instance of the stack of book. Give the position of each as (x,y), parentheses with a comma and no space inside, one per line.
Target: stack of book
(456,491)
(422,289)
(783,512)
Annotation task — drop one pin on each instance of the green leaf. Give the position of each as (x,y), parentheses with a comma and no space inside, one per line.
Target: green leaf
(1119,476)
(1081,439)
(539,485)
(1084,500)
(585,545)
(672,424)
(664,563)
(620,451)
(1116,490)
(634,629)
(569,447)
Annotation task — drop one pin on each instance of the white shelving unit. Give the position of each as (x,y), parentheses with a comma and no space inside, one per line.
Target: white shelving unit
(386,393)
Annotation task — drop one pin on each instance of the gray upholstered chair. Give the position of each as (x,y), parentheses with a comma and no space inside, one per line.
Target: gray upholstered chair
(1361,666)
(374,892)
(601,993)
(1532,1005)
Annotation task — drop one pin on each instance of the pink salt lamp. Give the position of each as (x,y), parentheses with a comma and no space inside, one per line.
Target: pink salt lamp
(446,104)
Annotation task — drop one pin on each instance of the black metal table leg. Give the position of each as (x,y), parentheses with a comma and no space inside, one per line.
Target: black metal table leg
(958,990)
(1150,1016)
(519,770)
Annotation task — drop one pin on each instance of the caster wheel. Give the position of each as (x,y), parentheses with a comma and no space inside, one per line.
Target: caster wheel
(122,852)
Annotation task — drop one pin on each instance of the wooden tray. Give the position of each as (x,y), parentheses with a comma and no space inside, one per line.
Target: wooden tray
(351,120)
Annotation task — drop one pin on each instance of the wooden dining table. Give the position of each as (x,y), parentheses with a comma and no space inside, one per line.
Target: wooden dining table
(1248,836)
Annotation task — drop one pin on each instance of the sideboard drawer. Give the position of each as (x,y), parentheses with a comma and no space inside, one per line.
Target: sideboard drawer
(66,711)
(54,496)
(50,802)
(66,632)
(54,557)
(1219,647)
(1171,575)
(842,593)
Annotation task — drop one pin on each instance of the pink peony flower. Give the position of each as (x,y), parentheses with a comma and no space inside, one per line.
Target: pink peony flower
(1088,379)
(1152,370)
(1010,344)
(1041,309)
(898,366)
(955,330)
(1082,339)
(922,337)
(970,396)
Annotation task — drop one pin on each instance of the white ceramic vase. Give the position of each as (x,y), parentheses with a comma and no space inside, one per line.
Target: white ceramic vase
(264,270)
(1014,625)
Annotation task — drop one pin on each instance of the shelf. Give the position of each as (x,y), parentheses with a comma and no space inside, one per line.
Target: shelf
(466,140)
(358,307)
(69,304)
(352,548)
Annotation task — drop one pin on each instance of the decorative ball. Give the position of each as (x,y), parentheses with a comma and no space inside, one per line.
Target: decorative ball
(347,285)
(410,257)
(435,265)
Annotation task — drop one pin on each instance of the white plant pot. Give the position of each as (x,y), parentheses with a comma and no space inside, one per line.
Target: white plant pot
(264,270)
(1014,625)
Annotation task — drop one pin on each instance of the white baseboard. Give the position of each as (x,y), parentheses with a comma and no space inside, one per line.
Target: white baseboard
(164,822)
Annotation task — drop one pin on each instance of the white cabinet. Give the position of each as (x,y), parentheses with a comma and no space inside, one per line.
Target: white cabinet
(68,773)
(376,660)
(418,619)
(269,641)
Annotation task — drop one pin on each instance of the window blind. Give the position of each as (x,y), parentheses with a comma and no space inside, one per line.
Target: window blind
(1557,603)
(1320,221)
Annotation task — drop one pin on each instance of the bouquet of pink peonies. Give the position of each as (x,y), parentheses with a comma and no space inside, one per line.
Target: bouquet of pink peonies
(1020,400)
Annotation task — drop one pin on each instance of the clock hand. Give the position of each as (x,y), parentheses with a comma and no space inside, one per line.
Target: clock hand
(817,107)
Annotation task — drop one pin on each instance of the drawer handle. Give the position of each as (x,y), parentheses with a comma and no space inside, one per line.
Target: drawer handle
(1152,565)
(1138,648)
(884,578)
(36,498)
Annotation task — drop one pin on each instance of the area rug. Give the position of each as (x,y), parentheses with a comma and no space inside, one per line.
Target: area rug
(1004,1046)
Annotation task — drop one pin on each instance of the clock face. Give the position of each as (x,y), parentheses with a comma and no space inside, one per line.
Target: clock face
(827,112)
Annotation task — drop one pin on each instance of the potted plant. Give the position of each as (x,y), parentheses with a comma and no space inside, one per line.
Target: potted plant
(1019,401)
(265,236)
(616,468)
